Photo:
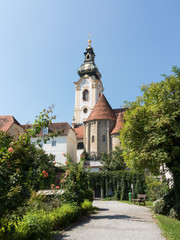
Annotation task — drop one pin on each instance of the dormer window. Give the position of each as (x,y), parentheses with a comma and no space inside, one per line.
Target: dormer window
(45,130)
(85,95)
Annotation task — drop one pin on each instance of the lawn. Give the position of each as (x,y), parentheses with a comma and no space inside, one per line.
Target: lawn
(148,203)
(170,227)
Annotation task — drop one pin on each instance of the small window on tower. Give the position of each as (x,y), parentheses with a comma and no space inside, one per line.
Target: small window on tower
(85,110)
(85,95)
(93,138)
(87,57)
(104,138)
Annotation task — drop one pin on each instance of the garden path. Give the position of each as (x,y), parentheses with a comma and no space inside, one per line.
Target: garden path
(116,221)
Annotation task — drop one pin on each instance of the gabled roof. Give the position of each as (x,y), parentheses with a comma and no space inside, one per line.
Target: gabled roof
(102,110)
(6,122)
(63,127)
(79,130)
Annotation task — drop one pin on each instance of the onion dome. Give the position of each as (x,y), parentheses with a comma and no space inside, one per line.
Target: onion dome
(89,67)
(102,111)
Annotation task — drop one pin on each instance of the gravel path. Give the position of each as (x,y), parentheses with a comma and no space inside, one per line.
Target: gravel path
(115,221)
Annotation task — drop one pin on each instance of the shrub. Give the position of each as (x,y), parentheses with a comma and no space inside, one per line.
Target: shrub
(159,206)
(38,225)
(156,188)
(35,225)
(64,215)
(23,168)
(164,205)
(88,194)
(86,207)
(75,182)
(45,202)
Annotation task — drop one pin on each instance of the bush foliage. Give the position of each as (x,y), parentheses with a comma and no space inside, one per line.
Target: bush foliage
(39,224)
(75,182)
(23,168)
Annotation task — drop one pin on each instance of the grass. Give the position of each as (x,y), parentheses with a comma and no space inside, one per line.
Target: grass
(169,226)
(148,203)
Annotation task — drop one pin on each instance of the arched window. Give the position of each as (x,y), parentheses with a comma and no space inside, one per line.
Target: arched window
(93,138)
(88,57)
(85,95)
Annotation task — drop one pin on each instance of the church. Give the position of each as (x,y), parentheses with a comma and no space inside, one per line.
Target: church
(95,127)
(95,123)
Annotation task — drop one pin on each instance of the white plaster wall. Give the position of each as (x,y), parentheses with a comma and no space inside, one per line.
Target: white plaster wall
(79,152)
(72,145)
(58,150)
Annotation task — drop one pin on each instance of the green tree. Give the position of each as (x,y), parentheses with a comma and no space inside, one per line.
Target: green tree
(151,134)
(113,161)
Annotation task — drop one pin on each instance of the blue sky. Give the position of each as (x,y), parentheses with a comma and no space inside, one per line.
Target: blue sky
(42,44)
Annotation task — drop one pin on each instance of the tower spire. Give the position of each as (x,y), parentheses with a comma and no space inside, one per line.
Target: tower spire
(89,40)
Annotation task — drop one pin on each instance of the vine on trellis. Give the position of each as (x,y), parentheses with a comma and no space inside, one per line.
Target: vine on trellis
(119,182)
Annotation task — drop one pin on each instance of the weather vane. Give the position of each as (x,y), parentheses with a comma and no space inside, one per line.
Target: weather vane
(89,41)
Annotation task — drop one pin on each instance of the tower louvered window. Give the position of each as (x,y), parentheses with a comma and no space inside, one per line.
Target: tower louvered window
(85,95)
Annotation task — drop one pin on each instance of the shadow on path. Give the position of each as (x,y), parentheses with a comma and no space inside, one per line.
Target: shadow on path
(99,216)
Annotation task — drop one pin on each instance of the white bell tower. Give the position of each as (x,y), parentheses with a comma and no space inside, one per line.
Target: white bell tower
(88,88)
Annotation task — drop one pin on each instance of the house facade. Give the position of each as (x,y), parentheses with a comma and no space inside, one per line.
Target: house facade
(64,143)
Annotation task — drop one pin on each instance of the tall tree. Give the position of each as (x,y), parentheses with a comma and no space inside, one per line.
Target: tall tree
(151,134)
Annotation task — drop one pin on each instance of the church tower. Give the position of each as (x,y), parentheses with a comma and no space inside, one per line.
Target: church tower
(88,88)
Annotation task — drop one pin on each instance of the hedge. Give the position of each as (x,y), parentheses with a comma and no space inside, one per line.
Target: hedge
(119,182)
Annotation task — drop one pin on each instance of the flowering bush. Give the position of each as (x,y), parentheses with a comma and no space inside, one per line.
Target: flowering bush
(75,182)
(23,168)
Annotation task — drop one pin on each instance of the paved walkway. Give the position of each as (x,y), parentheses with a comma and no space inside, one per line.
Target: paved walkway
(115,221)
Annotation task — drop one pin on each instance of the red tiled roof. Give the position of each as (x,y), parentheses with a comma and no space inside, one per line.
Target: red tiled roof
(102,110)
(63,127)
(119,122)
(6,122)
(79,130)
